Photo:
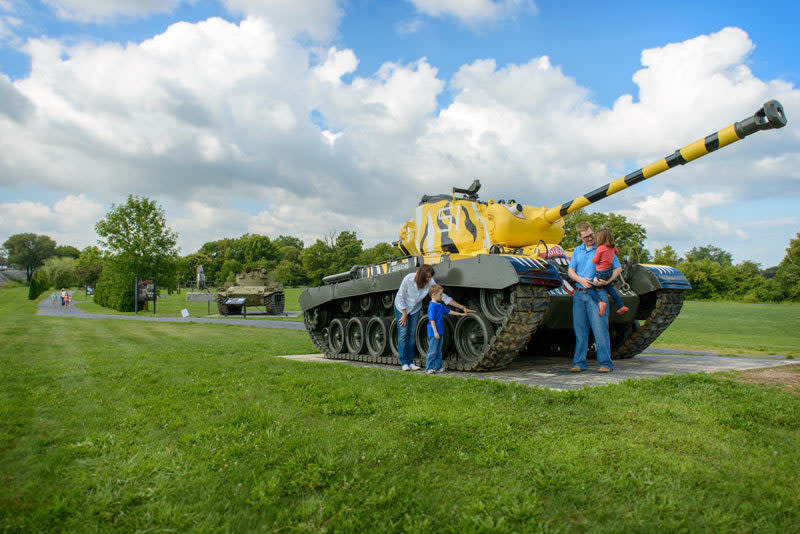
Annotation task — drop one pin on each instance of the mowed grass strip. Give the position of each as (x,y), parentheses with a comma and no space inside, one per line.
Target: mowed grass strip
(735,328)
(110,424)
(171,305)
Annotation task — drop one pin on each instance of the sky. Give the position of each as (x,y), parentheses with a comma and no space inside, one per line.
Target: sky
(310,117)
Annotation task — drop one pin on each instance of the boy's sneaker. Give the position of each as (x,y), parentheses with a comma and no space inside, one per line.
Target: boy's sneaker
(622,310)
(430,371)
(414,367)
(406,368)
(602,308)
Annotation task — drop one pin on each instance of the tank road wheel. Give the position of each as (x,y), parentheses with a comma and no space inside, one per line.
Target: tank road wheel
(377,335)
(421,338)
(336,336)
(274,303)
(393,340)
(447,343)
(473,335)
(365,303)
(495,304)
(354,335)
(387,301)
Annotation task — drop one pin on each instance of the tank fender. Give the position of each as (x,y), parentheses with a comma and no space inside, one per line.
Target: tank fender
(648,277)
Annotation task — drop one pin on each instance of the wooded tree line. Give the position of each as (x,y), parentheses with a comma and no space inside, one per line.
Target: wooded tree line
(136,241)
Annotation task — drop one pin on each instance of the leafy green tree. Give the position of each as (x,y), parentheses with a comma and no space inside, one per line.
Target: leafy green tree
(141,244)
(61,271)
(289,253)
(627,235)
(666,256)
(29,251)
(788,274)
(255,248)
(290,274)
(89,266)
(290,241)
(229,270)
(187,267)
(318,261)
(346,250)
(707,279)
(67,251)
(378,254)
(710,252)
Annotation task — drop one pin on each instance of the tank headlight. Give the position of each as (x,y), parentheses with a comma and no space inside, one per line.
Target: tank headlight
(515,210)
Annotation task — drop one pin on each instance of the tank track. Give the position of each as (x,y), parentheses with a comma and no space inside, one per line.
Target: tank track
(529,306)
(668,304)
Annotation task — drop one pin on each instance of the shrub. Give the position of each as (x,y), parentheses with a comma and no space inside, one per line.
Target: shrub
(115,286)
(39,285)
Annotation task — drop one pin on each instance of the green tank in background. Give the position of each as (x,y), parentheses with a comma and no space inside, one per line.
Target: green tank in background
(255,287)
(504,259)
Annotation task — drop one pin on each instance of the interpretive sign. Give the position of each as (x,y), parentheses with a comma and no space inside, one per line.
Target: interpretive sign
(146,289)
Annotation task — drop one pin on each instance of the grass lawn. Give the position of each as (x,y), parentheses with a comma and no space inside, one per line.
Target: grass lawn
(735,328)
(117,425)
(172,305)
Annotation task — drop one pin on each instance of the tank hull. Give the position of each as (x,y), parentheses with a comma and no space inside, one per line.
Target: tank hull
(524,308)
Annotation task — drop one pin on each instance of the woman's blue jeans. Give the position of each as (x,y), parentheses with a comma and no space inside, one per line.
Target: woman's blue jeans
(584,317)
(406,344)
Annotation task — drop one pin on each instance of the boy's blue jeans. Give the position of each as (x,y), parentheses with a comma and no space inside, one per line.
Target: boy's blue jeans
(434,360)
(594,293)
(406,344)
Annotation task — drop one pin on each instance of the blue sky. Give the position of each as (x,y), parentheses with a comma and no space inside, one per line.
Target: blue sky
(318,116)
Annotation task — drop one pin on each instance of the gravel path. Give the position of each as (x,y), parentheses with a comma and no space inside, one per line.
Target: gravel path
(46,308)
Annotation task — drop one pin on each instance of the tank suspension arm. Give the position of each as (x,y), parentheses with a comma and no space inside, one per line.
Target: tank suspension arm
(771,115)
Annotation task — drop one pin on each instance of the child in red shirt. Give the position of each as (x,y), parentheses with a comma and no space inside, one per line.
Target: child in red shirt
(603,260)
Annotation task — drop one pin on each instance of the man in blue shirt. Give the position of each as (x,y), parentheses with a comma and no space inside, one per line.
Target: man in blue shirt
(585,313)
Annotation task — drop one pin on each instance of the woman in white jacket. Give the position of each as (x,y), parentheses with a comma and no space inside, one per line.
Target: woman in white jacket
(407,306)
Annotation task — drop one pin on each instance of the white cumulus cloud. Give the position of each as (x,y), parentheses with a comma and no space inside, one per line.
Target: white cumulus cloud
(317,19)
(106,10)
(69,221)
(474,11)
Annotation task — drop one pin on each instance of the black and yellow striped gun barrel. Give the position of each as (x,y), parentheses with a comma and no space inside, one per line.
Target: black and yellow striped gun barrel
(771,115)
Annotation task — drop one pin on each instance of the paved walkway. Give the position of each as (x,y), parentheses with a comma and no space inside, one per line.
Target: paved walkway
(553,372)
(46,308)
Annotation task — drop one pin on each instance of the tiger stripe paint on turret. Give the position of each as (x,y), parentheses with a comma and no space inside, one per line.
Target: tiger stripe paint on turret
(771,115)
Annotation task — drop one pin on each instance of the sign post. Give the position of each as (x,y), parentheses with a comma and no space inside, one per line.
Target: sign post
(146,290)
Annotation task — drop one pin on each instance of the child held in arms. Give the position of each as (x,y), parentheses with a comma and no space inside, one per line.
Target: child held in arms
(603,260)
(436,313)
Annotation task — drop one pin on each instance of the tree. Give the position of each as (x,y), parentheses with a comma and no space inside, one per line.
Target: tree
(346,251)
(29,251)
(187,267)
(67,251)
(666,256)
(710,252)
(788,274)
(229,270)
(39,285)
(627,235)
(141,244)
(289,241)
(290,274)
(89,266)
(378,254)
(318,261)
(289,253)
(60,271)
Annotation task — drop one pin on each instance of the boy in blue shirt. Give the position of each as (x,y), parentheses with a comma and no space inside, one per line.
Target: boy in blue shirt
(436,313)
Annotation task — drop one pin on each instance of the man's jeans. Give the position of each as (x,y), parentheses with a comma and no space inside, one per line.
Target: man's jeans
(434,360)
(584,316)
(406,344)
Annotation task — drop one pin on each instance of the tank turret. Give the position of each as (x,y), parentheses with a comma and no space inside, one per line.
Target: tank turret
(461,224)
(502,258)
